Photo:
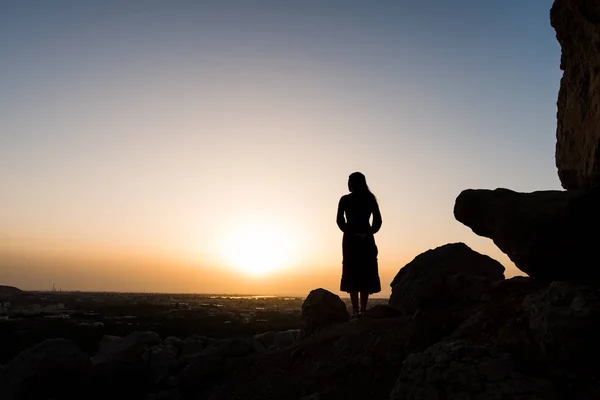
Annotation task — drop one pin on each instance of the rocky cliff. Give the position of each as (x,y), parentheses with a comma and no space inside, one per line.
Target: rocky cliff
(577,25)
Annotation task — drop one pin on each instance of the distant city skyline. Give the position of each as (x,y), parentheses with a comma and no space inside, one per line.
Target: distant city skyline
(203,146)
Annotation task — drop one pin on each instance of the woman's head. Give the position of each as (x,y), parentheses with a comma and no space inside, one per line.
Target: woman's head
(357,183)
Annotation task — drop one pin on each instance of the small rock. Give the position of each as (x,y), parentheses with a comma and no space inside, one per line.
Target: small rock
(320,309)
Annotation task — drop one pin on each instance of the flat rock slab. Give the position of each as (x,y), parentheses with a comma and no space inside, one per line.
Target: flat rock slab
(550,235)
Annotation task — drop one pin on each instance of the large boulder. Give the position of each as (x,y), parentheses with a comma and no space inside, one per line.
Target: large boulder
(460,370)
(452,274)
(54,368)
(551,234)
(321,308)
(577,25)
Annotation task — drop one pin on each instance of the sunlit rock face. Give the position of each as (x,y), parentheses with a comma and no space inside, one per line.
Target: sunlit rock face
(577,25)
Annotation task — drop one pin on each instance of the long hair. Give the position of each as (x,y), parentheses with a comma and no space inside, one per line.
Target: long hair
(358,183)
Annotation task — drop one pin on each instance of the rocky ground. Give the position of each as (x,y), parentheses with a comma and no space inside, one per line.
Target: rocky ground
(519,338)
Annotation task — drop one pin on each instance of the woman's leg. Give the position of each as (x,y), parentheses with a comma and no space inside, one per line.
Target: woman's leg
(364,298)
(354,299)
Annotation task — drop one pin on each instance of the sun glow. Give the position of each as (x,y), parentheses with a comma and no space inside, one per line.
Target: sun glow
(257,248)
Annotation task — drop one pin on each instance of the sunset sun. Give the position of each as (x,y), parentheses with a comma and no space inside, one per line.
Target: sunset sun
(257,248)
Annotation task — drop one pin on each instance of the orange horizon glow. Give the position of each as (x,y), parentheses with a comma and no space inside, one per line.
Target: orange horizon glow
(94,269)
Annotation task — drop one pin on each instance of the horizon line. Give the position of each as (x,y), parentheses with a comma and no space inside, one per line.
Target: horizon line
(375,295)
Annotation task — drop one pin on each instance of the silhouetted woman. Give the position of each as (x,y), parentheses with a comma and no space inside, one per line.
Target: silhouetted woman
(360,272)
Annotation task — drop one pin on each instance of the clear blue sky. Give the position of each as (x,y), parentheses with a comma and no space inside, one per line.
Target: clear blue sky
(161,128)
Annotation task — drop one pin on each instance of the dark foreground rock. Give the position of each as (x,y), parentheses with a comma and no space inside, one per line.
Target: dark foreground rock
(359,359)
(460,370)
(564,320)
(501,351)
(449,275)
(55,368)
(549,330)
(457,329)
(277,340)
(550,235)
(382,311)
(530,339)
(124,363)
(9,291)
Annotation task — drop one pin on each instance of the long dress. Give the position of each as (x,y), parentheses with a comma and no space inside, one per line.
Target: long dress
(360,271)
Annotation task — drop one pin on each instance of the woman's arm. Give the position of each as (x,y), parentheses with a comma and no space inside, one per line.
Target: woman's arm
(376,219)
(341,221)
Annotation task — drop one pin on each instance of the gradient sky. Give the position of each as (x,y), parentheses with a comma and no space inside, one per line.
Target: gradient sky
(140,140)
